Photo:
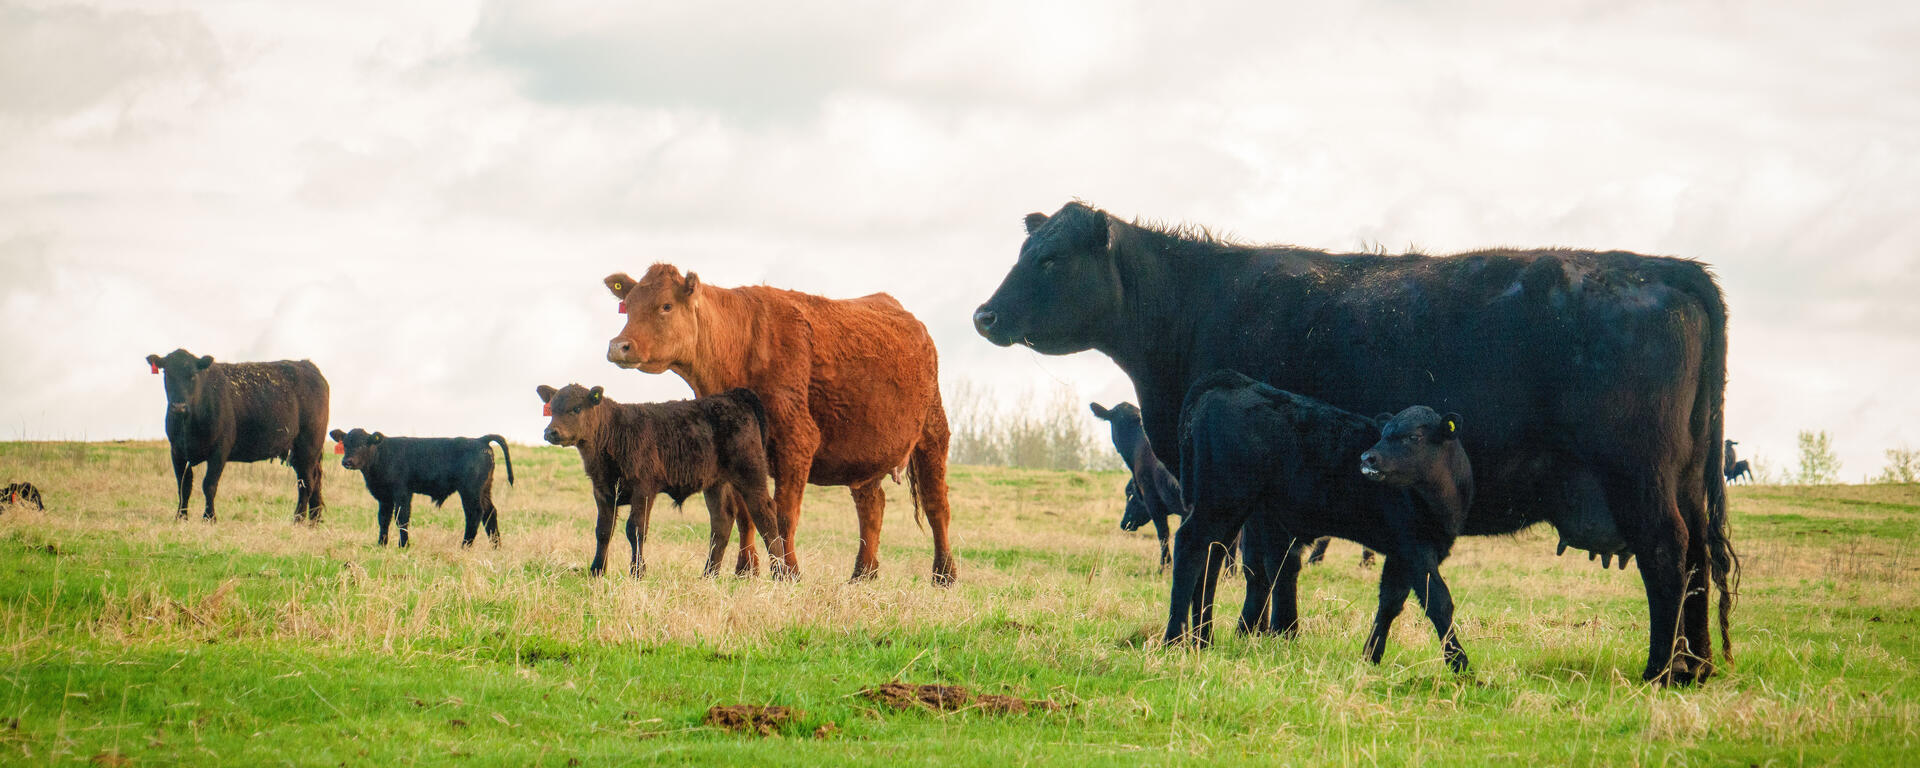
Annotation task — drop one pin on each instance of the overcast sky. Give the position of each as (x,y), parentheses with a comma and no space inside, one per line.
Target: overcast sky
(422,197)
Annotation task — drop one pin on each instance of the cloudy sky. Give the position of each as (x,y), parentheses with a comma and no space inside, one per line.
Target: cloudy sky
(422,197)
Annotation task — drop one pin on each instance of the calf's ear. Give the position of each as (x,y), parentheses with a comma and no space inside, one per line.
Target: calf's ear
(1383,418)
(594,395)
(206,361)
(1034,220)
(375,440)
(546,393)
(1100,413)
(1450,424)
(338,436)
(619,283)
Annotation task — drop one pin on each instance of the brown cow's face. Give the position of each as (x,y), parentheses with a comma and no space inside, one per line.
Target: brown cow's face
(361,448)
(1415,446)
(181,372)
(576,412)
(662,322)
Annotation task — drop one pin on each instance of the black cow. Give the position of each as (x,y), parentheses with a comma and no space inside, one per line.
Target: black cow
(20,494)
(1736,467)
(221,412)
(1152,493)
(1290,469)
(1597,380)
(396,468)
(634,452)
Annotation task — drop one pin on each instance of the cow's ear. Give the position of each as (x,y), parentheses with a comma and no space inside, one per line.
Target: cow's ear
(1383,418)
(338,436)
(155,360)
(596,394)
(1100,413)
(1100,224)
(1034,220)
(687,286)
(546,393)
(619,283)
(206,361)
(375,440)
(1450,426)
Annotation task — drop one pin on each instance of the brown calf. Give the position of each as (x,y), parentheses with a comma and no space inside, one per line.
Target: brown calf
(633,453)
(851,389)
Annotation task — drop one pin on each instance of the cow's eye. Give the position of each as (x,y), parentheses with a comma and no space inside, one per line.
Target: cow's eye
(1046,264)
(666,308)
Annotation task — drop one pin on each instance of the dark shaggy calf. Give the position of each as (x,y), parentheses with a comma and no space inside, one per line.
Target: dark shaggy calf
(221,412)
(633,453)
(21,494)
(1287,468)
(396,468)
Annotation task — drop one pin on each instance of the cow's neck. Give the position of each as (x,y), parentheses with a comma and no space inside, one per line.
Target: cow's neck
(722,357)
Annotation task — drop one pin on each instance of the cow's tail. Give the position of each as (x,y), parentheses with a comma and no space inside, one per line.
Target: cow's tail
(913,489)
(504,456)
(1709,409)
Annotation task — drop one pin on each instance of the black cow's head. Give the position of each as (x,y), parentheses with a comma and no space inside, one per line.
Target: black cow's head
(1063,292)
(1416,445)
(1125,427)
(577,417)
(362,449)
(1136,514)
(181,371)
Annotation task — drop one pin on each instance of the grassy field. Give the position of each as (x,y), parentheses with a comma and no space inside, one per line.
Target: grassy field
(132,639)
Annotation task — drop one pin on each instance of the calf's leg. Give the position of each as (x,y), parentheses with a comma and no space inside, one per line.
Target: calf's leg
(1198,535)
(386,519)
(638,516)
(403,515)
(1393,597)
(719,528)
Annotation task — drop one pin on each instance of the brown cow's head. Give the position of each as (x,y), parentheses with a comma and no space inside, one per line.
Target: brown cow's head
(663,323)
(362,449)
(577,415)
(182,371)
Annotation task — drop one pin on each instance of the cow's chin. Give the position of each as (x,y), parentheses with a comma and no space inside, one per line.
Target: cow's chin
(652,367)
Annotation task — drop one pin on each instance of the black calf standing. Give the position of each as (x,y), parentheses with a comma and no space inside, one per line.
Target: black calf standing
(1420,450)
(1287,468)
(396,468)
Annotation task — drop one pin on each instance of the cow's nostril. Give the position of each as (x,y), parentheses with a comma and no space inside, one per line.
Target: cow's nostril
(984,319)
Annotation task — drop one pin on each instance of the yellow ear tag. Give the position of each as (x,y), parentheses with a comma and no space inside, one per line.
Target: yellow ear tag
(616,286)
(1451,427)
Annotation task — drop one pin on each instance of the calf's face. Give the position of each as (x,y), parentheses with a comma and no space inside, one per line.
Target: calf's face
(575,412)
(362,449)
(180,373)
(1416,445)
(662,323)
(1124,421)
(1136,514)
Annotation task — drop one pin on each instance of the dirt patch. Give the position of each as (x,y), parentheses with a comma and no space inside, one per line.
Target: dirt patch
(111,760)
(751,718)
(952,698)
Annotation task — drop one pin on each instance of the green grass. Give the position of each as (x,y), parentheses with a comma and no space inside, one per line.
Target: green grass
(134,639)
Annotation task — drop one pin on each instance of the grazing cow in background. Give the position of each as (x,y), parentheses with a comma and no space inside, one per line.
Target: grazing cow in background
(1597,380)
(21,494)
(1290,469)
(396,468)
(221,412)
(1736,467)
(1152,493)
(633,453)
(851,388)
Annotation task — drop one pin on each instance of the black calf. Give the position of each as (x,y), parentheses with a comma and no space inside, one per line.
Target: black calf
(396,468)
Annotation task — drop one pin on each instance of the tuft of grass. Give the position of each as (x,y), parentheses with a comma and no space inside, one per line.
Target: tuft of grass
(134,639)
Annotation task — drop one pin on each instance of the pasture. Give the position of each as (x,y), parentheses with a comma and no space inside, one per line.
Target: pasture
(132,639)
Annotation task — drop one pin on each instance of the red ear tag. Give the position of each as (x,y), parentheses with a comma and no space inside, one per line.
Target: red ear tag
(340,448)
(623,306)
(546,409)
(156,369)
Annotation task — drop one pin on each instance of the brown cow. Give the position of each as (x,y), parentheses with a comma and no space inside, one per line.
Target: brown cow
(851,388)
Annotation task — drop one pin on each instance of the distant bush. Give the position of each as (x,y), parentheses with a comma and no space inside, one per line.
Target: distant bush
(1903,466)
(1058,433)
(1819,465)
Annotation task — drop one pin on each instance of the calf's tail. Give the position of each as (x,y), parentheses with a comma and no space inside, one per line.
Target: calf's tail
(504,456)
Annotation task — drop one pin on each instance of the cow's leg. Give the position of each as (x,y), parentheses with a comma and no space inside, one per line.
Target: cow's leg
(792,459)
(306,460)
(1198,535)
(491,514)
(1649,520)
(1394,584)
(1319,550)
(748,562)
(403,515)
(210,485)
(1160,529)
(386,518)
(638,517)
(1432,592)
(870,505)
(183,483)
(1695,612)
(719,527)
(608,507)
(475,512)
(927,468)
